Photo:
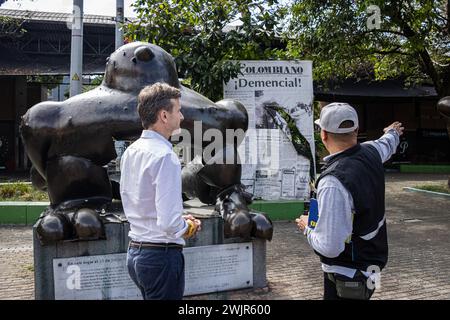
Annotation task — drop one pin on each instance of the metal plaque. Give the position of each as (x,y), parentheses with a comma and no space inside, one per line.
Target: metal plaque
(207,269)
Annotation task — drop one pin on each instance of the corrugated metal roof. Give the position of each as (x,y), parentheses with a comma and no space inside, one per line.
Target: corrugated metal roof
(40,16)
(45,47)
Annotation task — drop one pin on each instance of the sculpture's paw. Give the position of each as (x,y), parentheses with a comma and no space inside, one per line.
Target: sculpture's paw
(237,223)
(71,225)
(232,204)
(262,226)
(87,225)
(54,227)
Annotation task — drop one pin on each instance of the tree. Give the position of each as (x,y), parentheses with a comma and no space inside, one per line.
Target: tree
(11,28)
(374,39)
(198,34)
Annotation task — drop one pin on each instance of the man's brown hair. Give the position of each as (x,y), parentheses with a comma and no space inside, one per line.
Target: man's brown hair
(154,98)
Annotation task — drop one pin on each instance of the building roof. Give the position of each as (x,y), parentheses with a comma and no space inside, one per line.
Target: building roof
(44,49)
(40,16)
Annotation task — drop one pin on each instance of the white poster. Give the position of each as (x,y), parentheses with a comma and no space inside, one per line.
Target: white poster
(272,167)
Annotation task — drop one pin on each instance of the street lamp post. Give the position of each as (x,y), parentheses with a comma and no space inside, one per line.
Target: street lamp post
(119,23)
(120,146)
(76,49)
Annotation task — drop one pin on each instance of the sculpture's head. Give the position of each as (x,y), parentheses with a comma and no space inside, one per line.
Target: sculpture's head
(137,64)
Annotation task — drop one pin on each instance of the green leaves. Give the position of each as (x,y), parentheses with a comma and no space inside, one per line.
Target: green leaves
(412,41)
(11,28)
(335,35)
(203,35)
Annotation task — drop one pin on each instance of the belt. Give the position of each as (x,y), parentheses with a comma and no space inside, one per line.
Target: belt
(153,245)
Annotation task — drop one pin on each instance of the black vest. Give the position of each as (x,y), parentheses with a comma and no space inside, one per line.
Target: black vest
(360,170)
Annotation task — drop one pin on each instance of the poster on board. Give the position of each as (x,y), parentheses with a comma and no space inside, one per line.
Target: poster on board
(273,168)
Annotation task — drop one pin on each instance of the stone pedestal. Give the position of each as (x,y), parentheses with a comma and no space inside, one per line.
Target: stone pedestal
(212,233)
(116,230)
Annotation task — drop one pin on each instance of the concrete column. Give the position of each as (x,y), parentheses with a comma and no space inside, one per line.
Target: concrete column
(119,145)
(76,55)
(119,23)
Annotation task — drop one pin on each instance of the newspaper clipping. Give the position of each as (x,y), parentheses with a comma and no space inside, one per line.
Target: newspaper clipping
(272,168)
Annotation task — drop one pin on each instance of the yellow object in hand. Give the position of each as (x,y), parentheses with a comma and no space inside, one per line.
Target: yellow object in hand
(191,229)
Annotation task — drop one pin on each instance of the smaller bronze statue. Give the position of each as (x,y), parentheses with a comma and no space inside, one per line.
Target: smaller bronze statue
(443,108)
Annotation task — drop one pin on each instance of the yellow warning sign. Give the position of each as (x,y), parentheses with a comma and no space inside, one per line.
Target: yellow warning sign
(76,77)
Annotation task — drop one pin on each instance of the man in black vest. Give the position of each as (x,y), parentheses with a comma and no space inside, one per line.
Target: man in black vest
(350,235)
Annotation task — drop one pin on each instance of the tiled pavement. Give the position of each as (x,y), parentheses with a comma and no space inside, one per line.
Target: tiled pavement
(418,267)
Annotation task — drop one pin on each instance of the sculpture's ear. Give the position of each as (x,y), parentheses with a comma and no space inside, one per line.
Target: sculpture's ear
(143,53)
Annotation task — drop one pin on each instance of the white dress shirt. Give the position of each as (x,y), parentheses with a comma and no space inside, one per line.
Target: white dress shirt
(150,187)
(335,223)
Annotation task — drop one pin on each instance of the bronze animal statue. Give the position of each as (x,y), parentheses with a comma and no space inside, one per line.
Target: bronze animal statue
(443,108)
(70,142)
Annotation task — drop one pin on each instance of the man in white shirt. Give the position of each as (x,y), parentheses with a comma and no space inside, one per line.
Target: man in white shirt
(350,235)
(150,188)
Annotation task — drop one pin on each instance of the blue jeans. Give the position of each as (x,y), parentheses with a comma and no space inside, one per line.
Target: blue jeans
(157,272)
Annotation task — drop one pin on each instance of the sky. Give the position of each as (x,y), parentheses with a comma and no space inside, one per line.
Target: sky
(99,7)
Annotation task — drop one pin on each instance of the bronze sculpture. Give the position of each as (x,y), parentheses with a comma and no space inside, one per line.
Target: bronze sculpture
(443,107)
(70,142)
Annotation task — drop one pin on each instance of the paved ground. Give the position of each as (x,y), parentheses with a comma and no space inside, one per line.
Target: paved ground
(418,267)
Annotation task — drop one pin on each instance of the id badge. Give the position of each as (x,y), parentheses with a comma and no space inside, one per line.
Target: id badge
(313,214)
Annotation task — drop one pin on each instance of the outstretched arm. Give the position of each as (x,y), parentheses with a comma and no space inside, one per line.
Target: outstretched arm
(388,143)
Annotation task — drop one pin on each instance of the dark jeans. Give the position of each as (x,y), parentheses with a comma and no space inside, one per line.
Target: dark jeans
(329,289)
(158,272)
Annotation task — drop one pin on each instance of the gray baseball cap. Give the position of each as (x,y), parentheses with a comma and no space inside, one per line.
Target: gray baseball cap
(334,114)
